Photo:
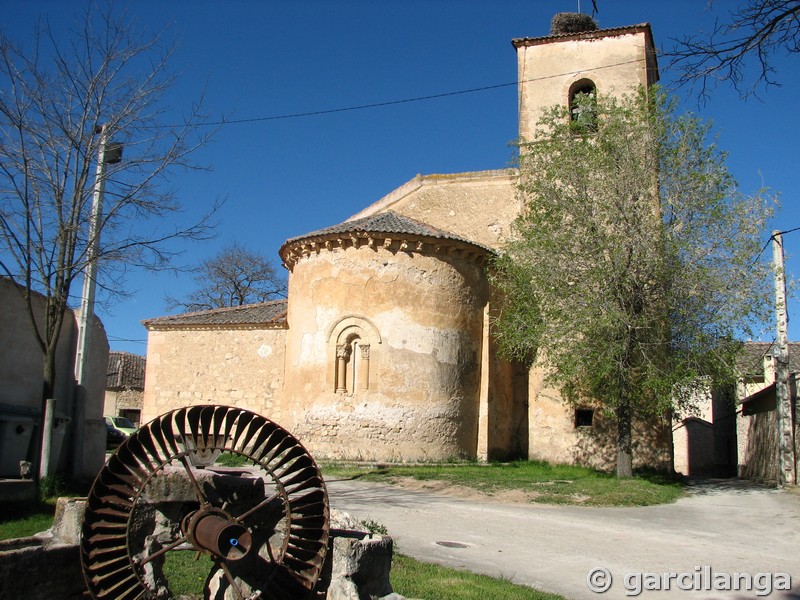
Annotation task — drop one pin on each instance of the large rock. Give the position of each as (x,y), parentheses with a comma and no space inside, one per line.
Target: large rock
(358,563)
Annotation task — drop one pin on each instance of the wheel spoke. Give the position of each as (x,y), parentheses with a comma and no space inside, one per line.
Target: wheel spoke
(259,506)
(229,576)
(200,495)
(162,551)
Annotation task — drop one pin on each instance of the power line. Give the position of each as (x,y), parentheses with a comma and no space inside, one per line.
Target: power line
(118,339)
(784,232)
(329,111)
(361,106)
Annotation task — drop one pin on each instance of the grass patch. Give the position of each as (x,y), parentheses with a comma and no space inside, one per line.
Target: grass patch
(232,459)
(415,579)
(24,519)
(410,577)
(187,576)
(542,482)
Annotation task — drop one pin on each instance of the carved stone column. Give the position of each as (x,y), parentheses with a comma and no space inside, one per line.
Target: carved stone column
(342,358)
(363,367)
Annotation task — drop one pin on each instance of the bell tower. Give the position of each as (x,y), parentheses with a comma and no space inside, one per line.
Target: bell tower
(577,57)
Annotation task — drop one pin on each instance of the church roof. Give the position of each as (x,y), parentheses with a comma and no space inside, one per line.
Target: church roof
(386,222)
(584,35)
(389,229)
(266,313)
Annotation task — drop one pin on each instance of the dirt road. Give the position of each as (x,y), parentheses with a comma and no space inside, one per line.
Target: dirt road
(722,528)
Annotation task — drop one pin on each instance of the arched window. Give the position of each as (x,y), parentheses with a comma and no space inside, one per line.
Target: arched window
(583,106)
(352,338)
(352,365)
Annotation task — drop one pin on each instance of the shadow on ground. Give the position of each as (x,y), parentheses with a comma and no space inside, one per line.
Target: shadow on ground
(707,486)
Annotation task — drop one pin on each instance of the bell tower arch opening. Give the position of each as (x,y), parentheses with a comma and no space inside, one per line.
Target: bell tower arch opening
(572,64)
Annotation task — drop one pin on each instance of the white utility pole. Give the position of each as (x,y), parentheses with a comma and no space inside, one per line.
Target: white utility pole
(107,154)
(783,395)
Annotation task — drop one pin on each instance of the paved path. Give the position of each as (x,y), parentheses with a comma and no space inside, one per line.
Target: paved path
(722,527)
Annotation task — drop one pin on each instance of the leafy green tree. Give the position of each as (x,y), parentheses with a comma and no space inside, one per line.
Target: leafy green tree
(234,277)
(636,262)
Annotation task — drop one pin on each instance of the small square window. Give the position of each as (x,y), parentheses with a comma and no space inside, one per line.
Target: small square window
(584,417)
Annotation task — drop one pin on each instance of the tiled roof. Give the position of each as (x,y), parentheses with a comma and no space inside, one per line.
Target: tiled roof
(582,35)
(125,371)
(386,222)
(266,313)
(751,359)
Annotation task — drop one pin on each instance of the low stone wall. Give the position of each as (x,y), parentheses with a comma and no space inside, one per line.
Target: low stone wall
(48,565)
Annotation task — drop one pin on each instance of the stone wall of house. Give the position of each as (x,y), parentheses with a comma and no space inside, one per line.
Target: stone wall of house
(241,367)
(21,373)
(414,324)
(21,366)
(117,400)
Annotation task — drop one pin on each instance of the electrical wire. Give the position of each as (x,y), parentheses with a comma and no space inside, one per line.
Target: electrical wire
(395,102)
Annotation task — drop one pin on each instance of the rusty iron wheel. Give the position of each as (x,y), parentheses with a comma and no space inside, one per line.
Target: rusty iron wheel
(264,525)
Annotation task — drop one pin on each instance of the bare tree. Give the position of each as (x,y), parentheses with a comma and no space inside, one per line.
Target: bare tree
(756,31)
(56,94)
(234,277)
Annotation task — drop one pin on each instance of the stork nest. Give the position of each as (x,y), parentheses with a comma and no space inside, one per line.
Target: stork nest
(566,22)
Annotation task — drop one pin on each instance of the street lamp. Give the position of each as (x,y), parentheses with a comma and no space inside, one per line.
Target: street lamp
(108,154)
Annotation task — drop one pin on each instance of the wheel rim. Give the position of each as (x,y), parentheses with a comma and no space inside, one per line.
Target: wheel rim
(265,527)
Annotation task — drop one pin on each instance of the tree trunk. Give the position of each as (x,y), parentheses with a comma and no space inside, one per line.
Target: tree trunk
(49,375)
(624,440)
(48,392)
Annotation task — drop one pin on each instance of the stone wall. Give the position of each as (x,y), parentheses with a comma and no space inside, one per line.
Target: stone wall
(478,206)
(21,373)
(617,61)
(556,437)
(120,400)
(420,321)
(241,367)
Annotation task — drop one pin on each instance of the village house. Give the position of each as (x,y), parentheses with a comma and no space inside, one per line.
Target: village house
(21,405)
(124,386)
(757,420)
(382,350)
(733,431)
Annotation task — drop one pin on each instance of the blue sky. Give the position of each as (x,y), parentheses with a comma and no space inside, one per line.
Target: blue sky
(284,177)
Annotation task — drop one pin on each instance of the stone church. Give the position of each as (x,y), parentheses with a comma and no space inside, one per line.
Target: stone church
(383,349)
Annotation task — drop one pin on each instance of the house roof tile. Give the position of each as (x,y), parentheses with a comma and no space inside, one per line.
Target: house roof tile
(125,371)
(751,360)
(265,313)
